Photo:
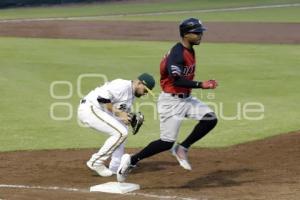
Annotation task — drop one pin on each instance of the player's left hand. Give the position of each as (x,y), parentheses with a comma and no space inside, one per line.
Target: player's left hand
(136,121)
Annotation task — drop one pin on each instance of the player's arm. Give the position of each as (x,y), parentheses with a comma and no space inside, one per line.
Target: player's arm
(175,65)
(181,82)
(117,112)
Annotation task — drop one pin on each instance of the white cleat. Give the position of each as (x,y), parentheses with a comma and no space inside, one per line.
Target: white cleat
(114,171)
(101,170)
(183,158)
(124,168)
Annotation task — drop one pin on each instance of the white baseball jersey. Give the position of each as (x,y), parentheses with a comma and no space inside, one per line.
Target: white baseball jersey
(119,92)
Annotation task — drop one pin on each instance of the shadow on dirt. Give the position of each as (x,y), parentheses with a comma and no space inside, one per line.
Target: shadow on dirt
(220,178)
(152,166)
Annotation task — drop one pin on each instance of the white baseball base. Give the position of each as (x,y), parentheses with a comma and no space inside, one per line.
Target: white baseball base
(115,187)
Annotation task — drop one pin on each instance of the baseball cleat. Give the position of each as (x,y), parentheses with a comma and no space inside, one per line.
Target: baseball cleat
(113,170)
(101,170)
(124,168)
(181,155)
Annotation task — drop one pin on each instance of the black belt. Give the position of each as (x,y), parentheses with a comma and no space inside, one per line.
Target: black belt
(82,101)
(180,95)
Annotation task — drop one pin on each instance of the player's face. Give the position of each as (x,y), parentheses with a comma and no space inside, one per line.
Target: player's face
(194,38)
(140,90)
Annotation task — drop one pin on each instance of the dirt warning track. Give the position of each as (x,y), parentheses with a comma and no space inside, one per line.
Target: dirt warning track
(232,32)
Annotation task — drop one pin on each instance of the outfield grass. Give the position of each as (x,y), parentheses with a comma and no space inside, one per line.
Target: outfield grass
(287,15)
(267,74)
(283,15)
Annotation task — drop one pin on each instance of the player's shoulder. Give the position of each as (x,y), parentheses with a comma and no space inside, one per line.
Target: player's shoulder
(119,80)
(178,46)
(120,83)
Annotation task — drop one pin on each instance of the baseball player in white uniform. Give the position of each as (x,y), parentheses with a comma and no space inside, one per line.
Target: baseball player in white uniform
(106,109)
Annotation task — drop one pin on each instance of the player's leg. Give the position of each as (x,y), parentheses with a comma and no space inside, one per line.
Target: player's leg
(207,121)
(171,115)
(116,158)
(168,134)
(117,131)
(104,122)
(128,162)
(151,149)
(204,126)
(171,112)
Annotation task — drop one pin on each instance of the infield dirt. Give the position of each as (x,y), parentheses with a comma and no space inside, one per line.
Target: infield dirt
(267,169)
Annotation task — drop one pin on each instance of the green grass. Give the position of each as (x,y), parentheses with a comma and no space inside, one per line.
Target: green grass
(267,74)
(132,8)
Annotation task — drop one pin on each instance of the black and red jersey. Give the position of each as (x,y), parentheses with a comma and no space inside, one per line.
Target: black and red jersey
(178,63)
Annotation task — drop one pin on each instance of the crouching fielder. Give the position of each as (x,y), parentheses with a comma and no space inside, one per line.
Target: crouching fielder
(106,109)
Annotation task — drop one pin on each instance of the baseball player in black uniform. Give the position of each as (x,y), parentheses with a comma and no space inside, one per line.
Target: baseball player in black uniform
(177,71)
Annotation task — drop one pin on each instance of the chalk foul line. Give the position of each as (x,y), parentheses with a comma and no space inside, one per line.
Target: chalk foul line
(87,191)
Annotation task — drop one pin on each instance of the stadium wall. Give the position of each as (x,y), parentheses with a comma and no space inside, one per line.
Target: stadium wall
(21,3)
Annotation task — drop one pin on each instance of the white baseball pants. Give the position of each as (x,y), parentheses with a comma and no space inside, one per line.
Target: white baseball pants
(105,122)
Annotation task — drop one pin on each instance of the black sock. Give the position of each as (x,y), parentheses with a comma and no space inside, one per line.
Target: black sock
(207,123)
(153,148)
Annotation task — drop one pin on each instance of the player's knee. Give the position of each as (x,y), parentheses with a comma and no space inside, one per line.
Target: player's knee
(124,134)
(121,133)
(210,119)
(214,118)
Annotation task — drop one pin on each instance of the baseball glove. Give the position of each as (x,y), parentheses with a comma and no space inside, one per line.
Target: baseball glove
(136,121)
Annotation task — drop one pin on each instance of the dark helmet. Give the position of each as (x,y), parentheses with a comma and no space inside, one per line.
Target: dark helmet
(191,25)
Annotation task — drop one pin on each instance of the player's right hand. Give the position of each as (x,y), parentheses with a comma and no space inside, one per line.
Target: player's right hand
(210,84)
(124,116)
